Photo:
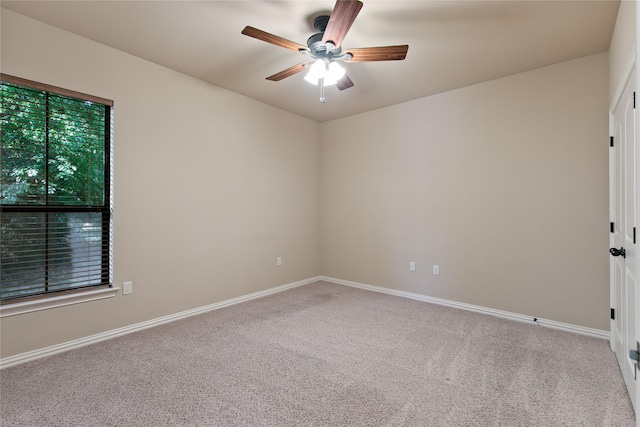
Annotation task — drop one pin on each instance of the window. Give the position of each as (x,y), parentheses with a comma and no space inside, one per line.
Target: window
(55,190)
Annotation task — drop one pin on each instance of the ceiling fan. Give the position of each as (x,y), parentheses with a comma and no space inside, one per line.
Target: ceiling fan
(325,48)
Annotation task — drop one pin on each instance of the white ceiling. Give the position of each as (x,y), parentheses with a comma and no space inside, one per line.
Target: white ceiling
(452,44)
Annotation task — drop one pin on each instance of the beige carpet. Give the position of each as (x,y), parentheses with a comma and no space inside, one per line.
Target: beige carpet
(325,355)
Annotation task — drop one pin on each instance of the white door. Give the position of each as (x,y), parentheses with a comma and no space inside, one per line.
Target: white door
(624,257)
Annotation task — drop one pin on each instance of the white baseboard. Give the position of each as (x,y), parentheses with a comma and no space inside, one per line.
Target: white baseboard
(70,345)
(597,333)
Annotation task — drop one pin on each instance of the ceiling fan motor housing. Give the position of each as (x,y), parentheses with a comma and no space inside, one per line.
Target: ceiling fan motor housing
(317,48)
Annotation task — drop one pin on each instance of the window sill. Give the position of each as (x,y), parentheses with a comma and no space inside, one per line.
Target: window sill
(57,301)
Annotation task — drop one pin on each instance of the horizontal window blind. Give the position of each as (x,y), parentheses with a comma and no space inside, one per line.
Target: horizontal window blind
(55,191)
(51,251)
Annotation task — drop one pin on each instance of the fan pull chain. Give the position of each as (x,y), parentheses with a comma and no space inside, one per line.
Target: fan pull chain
(321,84)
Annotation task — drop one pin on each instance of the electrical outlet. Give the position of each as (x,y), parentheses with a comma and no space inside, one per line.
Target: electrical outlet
(279,261)
(436,269)
(412,266)
(127,288)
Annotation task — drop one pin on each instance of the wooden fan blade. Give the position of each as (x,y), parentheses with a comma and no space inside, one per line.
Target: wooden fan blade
(383,53)
(286,73)
(341,19)
(273,39)
(344,83)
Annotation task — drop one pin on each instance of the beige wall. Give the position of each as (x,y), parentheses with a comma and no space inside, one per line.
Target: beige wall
(210,186)
(622,48)
(503,184)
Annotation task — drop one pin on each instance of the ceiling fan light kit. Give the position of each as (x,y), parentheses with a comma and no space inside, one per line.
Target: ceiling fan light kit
(327,72)
(325,48)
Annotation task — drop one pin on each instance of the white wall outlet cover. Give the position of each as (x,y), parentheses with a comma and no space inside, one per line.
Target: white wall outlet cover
(412,266)
(436,269)
(127,288)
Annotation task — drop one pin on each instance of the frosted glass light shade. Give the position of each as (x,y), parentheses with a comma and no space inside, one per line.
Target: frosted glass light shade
(334,73)
(316,72)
